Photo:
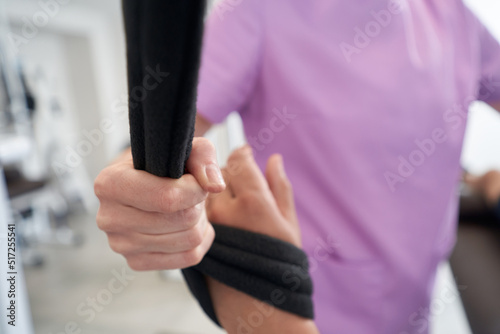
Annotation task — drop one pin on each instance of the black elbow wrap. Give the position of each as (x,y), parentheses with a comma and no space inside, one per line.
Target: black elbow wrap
(268,269)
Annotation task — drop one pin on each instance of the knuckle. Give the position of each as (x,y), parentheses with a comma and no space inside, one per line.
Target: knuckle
(115,247)
(121,246)
(233,167)
(194,238)
(137,263)
(103,222)
(102,183)
(238,153)
(169,199)
(242,153)
(109,181)
(190,216)
(238,160)
(233,161)
(192,257)
(250,200)
(206,145)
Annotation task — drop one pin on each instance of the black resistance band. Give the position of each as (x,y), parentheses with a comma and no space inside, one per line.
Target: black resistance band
(163,52)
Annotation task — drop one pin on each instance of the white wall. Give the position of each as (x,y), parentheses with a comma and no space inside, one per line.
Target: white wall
(81,50)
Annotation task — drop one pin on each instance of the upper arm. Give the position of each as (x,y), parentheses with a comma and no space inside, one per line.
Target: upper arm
(230,58)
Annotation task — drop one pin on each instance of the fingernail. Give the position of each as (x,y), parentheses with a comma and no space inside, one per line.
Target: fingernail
(214,174)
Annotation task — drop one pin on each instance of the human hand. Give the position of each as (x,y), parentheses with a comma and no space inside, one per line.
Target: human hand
(263,205)
(253,202)
(159,223)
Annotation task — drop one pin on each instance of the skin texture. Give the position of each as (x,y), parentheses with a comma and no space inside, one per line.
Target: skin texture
(254,202)
(235,312)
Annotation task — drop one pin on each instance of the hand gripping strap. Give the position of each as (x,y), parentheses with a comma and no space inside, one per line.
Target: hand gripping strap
(163,52)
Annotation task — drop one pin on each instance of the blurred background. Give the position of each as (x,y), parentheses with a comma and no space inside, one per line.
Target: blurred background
(63,117)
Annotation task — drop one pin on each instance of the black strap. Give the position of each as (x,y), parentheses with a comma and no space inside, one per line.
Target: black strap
(263,267)
(163,50)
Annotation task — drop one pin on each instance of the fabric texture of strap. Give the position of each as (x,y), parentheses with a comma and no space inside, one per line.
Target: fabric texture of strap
(263,267)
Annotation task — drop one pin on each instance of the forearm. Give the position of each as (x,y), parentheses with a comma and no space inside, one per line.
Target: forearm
(239,313)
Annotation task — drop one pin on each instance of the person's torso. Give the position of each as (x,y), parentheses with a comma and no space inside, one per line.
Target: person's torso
(367,102)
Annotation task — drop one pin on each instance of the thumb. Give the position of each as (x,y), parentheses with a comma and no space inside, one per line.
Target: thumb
(202,164)
(281,187)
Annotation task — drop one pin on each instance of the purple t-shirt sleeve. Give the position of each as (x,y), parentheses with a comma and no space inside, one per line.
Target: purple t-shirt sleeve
(490,65)
(230,58)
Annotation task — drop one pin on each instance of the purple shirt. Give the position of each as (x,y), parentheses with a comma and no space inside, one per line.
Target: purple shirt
(367,102)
